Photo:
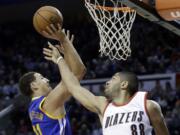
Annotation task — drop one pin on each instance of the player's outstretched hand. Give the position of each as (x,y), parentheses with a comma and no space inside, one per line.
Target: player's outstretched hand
(51,53)
(69,38)
(55,32)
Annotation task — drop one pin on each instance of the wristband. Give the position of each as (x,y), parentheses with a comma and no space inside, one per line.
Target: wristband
(60,57)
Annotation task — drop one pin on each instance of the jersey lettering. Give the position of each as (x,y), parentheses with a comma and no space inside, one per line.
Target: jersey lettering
(124,118)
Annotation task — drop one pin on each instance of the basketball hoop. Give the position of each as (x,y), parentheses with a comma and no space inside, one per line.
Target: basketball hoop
(114,21)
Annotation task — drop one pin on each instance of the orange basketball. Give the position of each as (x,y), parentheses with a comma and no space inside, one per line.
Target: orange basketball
(45,16)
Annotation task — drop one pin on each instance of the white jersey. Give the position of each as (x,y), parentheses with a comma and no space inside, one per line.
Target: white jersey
(127,119)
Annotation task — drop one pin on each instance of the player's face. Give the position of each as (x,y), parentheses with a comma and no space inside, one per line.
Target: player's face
(112,86)
(42,83)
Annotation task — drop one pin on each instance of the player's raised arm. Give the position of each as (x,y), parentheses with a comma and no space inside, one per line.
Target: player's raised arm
(66,47)
(93,103)
(156,118)
(60,93)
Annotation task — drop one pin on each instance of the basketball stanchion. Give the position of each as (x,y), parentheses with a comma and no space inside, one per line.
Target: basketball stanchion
(17,102)
(6,110)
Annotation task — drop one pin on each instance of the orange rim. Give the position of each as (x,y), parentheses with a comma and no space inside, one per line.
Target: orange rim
(123,9)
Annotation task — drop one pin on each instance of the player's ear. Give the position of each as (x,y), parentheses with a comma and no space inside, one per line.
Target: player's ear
(124,84)
(33,86)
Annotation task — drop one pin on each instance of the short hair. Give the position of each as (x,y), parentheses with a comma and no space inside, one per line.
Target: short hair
(132,81)
(25,83)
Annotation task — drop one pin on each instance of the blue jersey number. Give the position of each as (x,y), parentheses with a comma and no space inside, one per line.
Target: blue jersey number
(37,129)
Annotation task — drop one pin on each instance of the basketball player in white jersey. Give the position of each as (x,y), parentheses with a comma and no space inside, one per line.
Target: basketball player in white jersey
(124,110)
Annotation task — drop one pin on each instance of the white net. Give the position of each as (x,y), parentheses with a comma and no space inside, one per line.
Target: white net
(114,21)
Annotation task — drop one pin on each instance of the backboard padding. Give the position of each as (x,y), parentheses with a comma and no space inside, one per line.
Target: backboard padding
(150,13)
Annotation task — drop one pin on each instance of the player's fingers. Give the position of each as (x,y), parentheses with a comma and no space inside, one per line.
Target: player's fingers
(72,38)
(53,27)
(63,30)
(49,30)
(50,45)
(61,49)
(47,54)
(68,34)
(57,46)
(59,26)
(45,33)
(47,50)
(48,58)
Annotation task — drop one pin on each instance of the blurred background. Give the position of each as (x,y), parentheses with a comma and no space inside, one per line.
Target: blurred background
(155,59)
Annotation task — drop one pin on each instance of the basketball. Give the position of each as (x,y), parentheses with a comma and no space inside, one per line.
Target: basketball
(45,16)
